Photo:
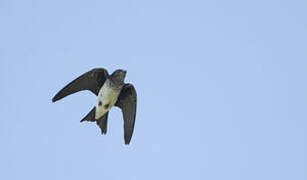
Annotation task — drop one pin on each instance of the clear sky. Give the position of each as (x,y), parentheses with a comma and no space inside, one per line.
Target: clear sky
(221,89)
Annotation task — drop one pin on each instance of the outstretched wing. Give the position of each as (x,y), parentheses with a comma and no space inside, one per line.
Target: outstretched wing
(127,102)
(92,81)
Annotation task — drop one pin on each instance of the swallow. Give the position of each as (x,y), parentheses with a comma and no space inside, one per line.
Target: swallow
(111,90)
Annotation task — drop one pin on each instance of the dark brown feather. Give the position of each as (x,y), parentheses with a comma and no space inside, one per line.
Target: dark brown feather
(127,101)
(102,122)
(90,116)
(92,81)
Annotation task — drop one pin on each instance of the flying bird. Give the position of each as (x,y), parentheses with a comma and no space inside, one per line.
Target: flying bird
(111,90)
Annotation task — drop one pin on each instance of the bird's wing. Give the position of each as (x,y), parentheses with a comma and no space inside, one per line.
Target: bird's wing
(92,80)
(127,102)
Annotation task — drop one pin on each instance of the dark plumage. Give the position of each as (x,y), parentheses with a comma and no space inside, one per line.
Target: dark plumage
(109,88)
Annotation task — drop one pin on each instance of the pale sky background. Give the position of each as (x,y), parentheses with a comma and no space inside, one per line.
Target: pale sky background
(221,89)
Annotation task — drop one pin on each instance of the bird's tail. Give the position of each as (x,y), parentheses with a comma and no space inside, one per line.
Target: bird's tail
(90,116)
(101,122)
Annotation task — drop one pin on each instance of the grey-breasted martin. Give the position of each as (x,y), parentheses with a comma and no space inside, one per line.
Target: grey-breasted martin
(110,90)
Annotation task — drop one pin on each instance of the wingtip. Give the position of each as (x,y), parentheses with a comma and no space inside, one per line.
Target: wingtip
(54,99)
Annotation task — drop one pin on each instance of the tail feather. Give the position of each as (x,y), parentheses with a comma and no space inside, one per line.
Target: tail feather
(101,122)
(90,116)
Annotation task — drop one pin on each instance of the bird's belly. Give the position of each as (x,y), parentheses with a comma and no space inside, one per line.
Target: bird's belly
(107,98)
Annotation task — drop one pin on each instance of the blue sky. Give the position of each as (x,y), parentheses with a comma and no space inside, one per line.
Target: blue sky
(221,89)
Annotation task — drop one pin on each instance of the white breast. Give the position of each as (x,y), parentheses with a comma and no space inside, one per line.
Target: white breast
(107,98)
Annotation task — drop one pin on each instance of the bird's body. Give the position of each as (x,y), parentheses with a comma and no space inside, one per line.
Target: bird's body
(110,91)
(107,98)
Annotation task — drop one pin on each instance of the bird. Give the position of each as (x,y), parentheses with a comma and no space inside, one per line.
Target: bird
(111,90)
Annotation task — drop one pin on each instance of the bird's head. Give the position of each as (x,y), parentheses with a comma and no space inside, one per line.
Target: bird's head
(118,76)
